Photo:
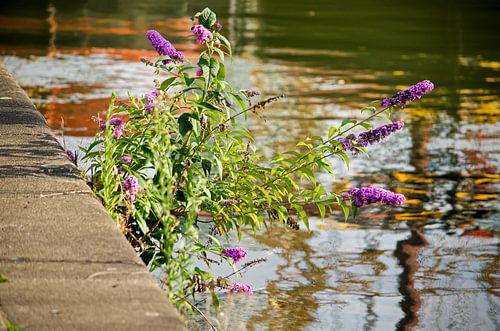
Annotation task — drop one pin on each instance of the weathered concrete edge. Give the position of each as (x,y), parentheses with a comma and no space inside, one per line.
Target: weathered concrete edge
(67,264)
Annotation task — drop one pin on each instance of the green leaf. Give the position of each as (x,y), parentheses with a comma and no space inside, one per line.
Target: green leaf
(184,124)
(3,279)
(367,126)
(207,106)
(322,210)
(166,83)
(344,157)
(301,214)
(219,167)
(347,121)
(332,131)
(147,256)
(220,52)
(345,210)
(225,42)
(207,18)
(215,301)
(221,74)
(214,66)
(354,209)
(207,166)
(204,61)
(188,80)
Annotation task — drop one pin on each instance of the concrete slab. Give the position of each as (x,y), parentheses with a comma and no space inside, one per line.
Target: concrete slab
(67,264)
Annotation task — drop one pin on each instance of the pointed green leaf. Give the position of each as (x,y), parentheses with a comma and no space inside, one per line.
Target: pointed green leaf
(207,18)
(184,124)
(166,83)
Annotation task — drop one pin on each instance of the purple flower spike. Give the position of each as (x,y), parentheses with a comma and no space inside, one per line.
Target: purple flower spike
(236,254)
(163,46)
(238,288)
(102,124)
(71,155)
(202,33)
(413,93)
(228,202)
(199,72)
(130,186)
(369,137)
(117,125)
(150,99)
(127,159)
(379,133)
(368,195)
(251,92)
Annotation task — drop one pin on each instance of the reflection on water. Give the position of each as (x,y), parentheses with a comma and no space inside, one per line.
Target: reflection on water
(407,252)
(431,264)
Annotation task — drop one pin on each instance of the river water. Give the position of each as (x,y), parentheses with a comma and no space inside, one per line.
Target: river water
(431,264)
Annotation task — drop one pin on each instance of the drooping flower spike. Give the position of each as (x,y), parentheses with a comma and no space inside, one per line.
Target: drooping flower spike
(241,288)
(203,34)
(130,186)
(369,195)
(117,126)
(413,93)
(236,253)
(164,47)
(369,137)
(150,99)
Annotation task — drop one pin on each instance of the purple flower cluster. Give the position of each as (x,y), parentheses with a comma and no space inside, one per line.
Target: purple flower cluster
(228,202)
(150,99)
(371,136)
(203,34)
(117,125)
(163,46)
(127,159)
(413,93)
(199,72)
(236,253)
(368,195)
(251,92)
(71,155)
(238,288)
(130,186)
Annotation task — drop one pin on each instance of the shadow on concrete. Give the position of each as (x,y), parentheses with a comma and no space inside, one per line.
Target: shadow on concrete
(47,153)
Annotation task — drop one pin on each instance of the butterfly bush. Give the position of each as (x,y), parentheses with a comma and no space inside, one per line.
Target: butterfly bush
(413,93)
(236,254)
(369,195)
(370,137)
(177,169)
(164,47)
(241,288)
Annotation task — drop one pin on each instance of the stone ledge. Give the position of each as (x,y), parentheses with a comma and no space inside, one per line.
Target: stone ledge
(67,264)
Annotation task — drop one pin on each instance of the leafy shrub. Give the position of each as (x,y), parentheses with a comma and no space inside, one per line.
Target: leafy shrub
(176,165)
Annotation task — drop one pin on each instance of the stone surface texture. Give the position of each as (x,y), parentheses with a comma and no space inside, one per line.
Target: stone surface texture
(67,265)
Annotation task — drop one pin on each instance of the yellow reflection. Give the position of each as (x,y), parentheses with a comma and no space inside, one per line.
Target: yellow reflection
(408,190)
(399,73)
(413,201)
(420,113)
(485,196)
(488,108)
(462,195)
(412,178)
(492,79)
(338,225)
(490,64)
(473,91)
(488,178)
(421,216)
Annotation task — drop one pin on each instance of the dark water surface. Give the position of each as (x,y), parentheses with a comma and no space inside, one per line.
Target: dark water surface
(431,264)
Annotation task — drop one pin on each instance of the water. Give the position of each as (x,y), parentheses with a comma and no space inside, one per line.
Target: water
(431,264)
